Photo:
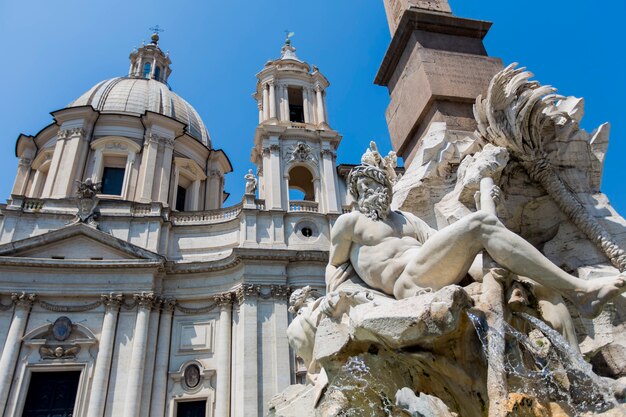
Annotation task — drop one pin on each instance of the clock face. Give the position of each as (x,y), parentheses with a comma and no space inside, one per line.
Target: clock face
(192,376)
(62,328)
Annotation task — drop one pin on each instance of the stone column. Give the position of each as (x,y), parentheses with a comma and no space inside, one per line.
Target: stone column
(259,104)
(165,170)
(275,185)
(147,170)
(69,163)
(195,196)
(272,100)
(174,188)
(102,370)
(96,174)
(329,181)
(23,303)
(280,295)
(249,395)
(285,103)
(222,400)
(320,105)
(54,165)
(161,367)
(128,171)
(266,102)
(21,179)
(306,104)
(213,196)
(36,186)
(145,301)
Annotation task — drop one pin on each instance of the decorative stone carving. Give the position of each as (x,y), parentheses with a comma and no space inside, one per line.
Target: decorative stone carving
(300,152)
(62,328)
(329,153)
(116,146)
(87,200)
(247,291)
(368,318)
(251,183)
(24,162)
(112,300)
(68,133)
(23,299)
(145,300)
(224,300)
(168,143)
(527,118)
(191,376)
(280,291)
(59,352)
(167,304)
(152,138)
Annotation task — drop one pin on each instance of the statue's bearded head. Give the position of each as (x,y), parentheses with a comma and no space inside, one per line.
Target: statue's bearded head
(371,188)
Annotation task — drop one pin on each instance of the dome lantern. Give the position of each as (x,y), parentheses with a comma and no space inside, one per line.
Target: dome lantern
(149,61)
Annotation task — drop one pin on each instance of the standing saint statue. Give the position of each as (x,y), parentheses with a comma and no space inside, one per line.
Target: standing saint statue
(251,183)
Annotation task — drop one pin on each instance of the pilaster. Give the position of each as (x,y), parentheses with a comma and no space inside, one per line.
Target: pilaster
(161,366)
(102,370)
(145,302)
(247,362)
(23,304)
(272,100)
(147,169)
(165,170)
(21,179)
(330,181)
(222,400)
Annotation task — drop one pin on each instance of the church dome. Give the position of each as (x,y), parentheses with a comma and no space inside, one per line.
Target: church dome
(134,95)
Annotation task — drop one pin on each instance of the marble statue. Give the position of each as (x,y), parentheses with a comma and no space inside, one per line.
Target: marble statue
(399,254)
(469,319)
(251,183)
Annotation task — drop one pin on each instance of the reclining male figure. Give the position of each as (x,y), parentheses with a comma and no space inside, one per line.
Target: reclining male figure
(399,254)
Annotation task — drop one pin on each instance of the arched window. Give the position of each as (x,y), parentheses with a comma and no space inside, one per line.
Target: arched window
(146,70)
(185,191)
(114,157)
(41,166)
(157,73)
(301,184)
(302,189)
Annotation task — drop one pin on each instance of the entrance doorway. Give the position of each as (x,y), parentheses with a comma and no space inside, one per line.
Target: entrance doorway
(191,409)
(51,394)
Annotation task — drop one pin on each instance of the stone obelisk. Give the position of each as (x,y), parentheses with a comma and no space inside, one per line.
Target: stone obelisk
(434,68)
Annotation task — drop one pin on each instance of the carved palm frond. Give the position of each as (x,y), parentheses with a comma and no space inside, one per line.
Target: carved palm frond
(523,116)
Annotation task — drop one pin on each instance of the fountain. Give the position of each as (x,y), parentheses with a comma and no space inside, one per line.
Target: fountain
(469,320)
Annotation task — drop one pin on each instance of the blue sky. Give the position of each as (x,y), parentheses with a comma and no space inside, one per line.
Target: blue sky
(54,51)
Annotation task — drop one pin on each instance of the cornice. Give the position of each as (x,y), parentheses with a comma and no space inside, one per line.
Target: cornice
(79,263)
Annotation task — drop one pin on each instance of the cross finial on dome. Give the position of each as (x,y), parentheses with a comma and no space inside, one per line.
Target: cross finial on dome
(288,36)
(155,34)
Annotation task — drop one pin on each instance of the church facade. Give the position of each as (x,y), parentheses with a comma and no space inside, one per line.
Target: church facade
(126,288)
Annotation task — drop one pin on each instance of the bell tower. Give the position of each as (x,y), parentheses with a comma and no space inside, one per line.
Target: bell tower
(294,145)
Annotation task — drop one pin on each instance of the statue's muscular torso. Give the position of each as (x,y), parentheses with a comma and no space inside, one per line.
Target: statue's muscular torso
(378,250)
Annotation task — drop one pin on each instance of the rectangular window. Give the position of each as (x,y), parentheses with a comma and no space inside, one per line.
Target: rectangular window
(296,107)
(51,394)
(191,409)
(112,180)
(181,197)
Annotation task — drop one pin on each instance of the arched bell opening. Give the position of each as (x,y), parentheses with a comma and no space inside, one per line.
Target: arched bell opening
(301,185)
